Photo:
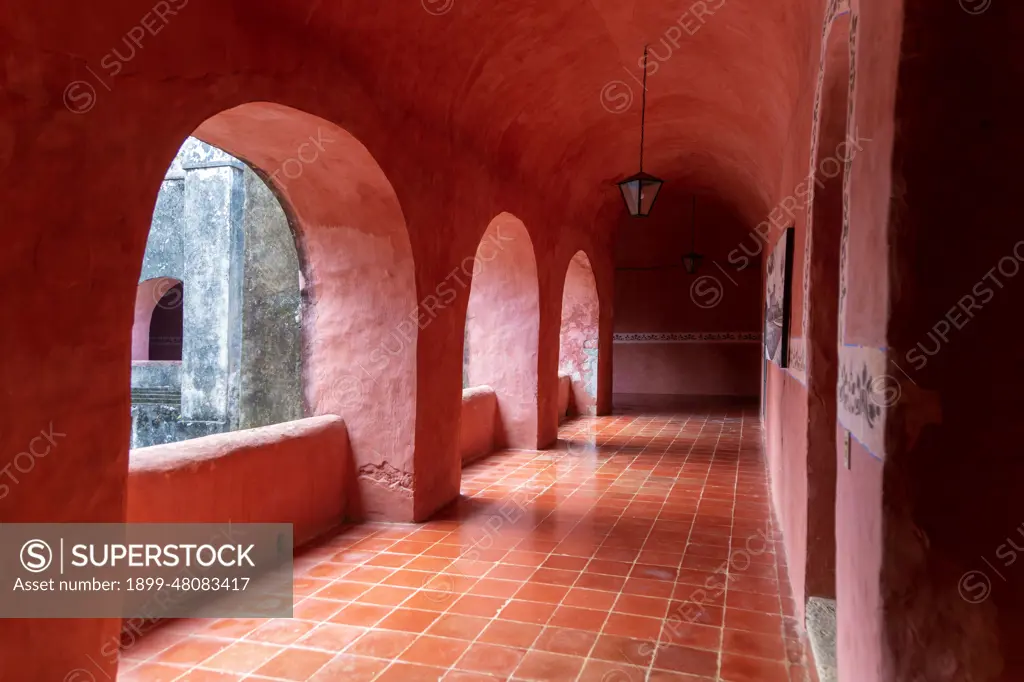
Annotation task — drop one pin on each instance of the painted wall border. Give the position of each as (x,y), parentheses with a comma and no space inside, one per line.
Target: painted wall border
(686,337)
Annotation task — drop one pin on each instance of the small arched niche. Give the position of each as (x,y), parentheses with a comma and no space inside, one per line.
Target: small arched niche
(157,332)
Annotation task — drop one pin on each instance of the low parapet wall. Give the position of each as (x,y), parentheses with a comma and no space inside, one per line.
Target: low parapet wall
(294,472)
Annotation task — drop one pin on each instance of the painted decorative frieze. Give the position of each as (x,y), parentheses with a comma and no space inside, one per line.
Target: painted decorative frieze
(688,337)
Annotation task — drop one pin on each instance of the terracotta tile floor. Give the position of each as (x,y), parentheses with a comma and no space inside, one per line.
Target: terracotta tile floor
(641,549)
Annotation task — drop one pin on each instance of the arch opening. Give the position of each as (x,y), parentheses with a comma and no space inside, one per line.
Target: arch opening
(317,308)
(234,341)
(503,329)
(166,326)
(578,339)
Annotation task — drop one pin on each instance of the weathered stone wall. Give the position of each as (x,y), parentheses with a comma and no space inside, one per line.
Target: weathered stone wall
(161,423)
(271,379)
(164,254)
(221,231)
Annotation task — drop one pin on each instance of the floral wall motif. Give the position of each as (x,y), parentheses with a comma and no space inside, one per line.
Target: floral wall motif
(865,394)
(798,360)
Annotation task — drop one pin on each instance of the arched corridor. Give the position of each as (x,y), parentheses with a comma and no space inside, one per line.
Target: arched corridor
(361,278)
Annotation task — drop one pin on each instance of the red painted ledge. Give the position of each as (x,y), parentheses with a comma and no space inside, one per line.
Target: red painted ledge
(295,472)
(476,430)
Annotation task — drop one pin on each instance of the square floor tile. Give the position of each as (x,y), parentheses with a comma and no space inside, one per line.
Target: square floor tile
(490,659)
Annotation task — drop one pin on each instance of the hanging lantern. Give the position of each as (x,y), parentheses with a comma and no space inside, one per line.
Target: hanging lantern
(692,260)
(640,191)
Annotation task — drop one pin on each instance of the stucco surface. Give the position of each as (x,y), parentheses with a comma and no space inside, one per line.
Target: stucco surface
(287,473)
(478,421)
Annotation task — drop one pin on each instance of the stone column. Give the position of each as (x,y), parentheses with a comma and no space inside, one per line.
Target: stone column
(213,242)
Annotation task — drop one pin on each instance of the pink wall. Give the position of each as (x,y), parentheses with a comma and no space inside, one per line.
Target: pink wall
(564,396)
(865,260)
(476,428)
(859,536)
(503,328)
(698,369)
(786,449)
(801,421)
(578,347)
(654,294)
(820,308)
(295,472)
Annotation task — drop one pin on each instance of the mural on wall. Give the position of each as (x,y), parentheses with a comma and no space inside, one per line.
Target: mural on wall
(578,357)
(778,300)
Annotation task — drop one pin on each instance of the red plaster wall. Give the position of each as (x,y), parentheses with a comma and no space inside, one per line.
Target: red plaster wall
(653,293)
(786,398)
(476,428)
(786,447)
(581,314)
(690,369)
(293,472)
(564,396)
(821,309)
(859,536)
(952,586)
(876,30)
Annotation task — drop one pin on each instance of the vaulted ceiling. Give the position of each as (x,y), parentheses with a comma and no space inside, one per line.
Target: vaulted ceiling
(553,86)
(549,88)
